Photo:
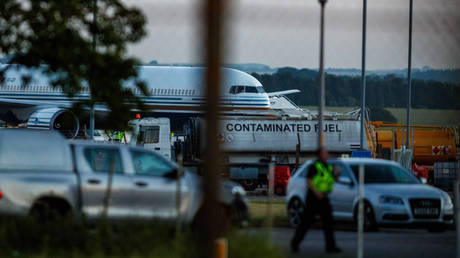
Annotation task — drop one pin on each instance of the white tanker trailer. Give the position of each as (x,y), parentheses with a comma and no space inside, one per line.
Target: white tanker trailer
(287,140)
(250,142)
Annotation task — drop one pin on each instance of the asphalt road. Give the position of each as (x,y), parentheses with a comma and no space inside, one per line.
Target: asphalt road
(402,243)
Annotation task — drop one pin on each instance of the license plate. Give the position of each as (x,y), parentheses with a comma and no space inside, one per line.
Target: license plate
(426,211)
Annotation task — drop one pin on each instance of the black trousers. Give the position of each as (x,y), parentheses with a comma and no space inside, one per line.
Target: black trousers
(313,207)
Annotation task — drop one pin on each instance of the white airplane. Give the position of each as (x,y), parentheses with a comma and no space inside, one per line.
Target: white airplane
(175,92)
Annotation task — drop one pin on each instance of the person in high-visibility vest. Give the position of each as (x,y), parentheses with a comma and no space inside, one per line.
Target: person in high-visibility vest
(320,182)
(119,136)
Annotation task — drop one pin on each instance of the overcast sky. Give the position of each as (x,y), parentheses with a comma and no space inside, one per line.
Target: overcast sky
(285,33)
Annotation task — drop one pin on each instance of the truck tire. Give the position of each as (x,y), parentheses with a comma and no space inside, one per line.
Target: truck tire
(49,209)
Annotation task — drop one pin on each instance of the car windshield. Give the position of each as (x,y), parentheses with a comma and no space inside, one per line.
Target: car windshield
(384,174)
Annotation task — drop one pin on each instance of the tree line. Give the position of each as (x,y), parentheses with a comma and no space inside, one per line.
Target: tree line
(381,91)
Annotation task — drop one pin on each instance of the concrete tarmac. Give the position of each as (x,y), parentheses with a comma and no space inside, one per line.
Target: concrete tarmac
(404,243)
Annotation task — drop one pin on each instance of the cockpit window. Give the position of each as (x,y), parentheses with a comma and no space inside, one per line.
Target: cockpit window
(248,89)
(251,89)
(260,89)
(236,89)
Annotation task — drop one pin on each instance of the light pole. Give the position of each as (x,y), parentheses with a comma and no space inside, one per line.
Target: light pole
(360,251)
(322,86)
(363,76)
(409,77)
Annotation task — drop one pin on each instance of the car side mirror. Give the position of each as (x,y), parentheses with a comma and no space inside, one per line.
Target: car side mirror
(345,181)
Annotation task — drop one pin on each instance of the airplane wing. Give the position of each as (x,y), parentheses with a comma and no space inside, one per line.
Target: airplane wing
(282,93)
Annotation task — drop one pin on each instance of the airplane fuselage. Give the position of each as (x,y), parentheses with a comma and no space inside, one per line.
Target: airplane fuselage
(178,91)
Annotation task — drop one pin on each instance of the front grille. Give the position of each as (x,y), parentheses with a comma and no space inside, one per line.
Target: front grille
(425,208)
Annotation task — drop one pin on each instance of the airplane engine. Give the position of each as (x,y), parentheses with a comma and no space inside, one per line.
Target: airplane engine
(59,119)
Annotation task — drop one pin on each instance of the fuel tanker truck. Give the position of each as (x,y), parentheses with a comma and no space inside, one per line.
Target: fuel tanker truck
(250,143)
(285,136)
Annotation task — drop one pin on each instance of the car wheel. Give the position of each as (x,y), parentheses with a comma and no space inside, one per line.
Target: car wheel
(279,189)
(295,210)
(369,217)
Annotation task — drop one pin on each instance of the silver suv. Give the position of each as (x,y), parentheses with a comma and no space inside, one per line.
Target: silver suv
(392,196)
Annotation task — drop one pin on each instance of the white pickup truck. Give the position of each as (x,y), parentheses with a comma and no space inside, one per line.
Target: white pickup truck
(41,169)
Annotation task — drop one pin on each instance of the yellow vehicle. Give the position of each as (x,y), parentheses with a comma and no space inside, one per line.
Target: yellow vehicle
(430,144)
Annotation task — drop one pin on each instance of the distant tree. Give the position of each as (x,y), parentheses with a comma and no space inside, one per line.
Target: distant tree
(387,91)
(381,114)
(56,36)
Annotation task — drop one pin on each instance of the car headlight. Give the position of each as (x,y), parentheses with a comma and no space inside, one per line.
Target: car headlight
(388,199)
(448,202)
(238,190)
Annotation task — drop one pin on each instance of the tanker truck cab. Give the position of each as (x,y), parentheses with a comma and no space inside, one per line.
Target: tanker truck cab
(152,134)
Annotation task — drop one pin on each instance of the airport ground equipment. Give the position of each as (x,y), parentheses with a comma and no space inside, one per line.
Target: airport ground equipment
(41,170)
(288,136)
(152,134)
(445,174)
(255,176)
(282,176)
(430,144)
(432,147)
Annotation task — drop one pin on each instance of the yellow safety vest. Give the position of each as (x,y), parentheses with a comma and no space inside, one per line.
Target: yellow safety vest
(324,180)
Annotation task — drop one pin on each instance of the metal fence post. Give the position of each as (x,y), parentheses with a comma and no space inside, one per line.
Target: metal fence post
(393,144)
(363,77)
(322,80)
(361,213)
(409,75)
(213,23)
(457,212)
(179,193)
(271,189)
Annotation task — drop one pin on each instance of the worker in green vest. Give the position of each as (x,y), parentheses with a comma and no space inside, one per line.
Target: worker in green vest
(320,182)
(119,135)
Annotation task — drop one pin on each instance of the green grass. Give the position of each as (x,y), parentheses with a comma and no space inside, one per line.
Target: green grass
(259,213)
(68,238)
(438,117)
